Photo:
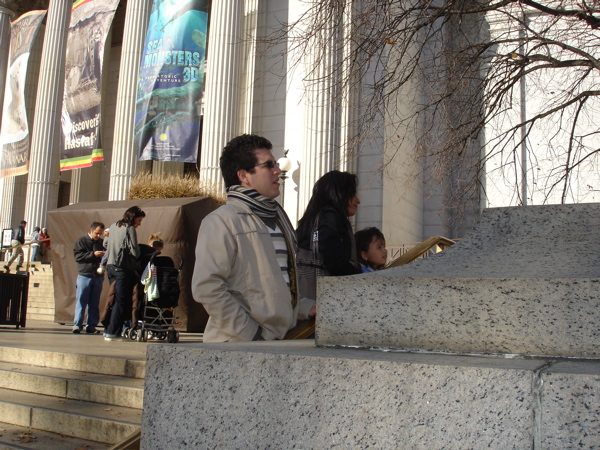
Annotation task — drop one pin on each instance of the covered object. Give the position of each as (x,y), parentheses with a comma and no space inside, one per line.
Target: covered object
(177,220)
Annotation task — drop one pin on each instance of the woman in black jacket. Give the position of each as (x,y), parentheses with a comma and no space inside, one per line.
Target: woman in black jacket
(325,234)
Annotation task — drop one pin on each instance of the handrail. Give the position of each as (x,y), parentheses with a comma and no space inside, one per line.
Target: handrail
(420,249)
(303,330)
(27,244)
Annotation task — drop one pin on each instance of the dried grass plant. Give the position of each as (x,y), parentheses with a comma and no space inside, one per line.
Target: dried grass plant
(146,185)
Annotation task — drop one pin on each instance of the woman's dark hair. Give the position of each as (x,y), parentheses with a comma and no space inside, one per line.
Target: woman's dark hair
(364,238)
(130,215)
(334,190)
(238,154)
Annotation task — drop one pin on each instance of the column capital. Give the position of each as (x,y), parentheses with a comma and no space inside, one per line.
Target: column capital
(9,12)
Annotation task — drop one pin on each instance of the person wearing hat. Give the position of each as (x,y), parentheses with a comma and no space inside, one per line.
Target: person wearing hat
(18,239)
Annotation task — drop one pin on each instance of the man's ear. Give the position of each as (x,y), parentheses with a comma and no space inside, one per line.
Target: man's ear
(242,175)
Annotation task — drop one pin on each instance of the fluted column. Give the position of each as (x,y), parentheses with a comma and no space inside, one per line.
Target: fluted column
(13,190)
(224,66)
(42,184)
(124,154)
(6,189)
(321,152)
(5,16)
(249,31)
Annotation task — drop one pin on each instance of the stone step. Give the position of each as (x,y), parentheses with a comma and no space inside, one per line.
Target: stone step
(37,300)
(85,420)
(39,308)
(41,288)
(45,317)
(85,363)
(111,390)
(16,437)
(40,274)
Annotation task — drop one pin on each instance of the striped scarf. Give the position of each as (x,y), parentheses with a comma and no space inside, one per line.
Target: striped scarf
(268,210)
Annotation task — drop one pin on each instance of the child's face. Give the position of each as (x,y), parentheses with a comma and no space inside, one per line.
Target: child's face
(376,255)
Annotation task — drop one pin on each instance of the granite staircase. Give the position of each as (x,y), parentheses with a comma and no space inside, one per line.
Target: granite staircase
(89,394)
(40,301)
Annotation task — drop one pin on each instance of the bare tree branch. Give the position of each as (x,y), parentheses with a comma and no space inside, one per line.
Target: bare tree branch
(454,73)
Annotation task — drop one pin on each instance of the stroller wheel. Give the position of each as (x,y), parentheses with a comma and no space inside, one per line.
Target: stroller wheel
(172,336)
(140,335)
(126,333)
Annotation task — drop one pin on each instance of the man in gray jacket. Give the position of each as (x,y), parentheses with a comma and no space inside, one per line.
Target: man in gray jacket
(245,272)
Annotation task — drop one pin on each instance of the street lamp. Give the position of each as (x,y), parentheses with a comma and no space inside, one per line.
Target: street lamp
(285,164)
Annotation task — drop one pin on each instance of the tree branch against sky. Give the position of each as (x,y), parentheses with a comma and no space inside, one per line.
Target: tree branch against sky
(519,80)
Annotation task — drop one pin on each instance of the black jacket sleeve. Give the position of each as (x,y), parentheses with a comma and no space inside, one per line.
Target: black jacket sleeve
(335,244)
(83,251)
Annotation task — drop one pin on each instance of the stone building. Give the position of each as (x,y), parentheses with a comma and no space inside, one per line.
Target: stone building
(247,89)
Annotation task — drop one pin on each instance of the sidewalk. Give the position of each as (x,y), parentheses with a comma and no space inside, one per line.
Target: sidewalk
(48,336)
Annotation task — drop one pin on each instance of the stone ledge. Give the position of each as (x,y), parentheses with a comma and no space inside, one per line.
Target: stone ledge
(293,395)
(540,317)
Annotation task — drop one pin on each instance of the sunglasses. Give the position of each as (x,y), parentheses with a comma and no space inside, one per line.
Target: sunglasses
(269,164)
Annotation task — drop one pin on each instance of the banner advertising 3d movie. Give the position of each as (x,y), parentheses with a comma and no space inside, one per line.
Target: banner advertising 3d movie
(81,124)
(15,131)
(171,81)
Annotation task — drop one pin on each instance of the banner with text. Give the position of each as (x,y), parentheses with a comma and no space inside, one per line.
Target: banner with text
(15,130)
(81,121)
(171,82)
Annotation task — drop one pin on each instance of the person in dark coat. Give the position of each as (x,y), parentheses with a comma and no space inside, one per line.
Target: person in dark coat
(325,236)
(88,252)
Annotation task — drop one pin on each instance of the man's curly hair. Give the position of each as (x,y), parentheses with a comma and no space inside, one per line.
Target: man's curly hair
(238,154)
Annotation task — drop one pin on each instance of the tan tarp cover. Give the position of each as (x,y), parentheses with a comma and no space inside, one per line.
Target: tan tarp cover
(177,220)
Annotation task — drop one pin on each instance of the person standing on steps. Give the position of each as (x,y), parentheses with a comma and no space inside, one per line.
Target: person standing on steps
(17,239)
(88,252)
(35,247)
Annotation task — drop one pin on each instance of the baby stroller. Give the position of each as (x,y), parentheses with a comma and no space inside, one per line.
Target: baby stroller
(161,280)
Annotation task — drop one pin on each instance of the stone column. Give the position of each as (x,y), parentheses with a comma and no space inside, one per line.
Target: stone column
(223,73)
(42,184)
(5,188)
(124,154)
(13,190)
(5,16)
(322,122)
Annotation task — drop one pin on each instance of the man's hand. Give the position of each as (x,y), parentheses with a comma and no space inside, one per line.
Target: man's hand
(99,253)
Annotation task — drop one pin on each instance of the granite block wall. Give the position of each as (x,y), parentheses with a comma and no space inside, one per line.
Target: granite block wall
(293,395)
(524,316)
